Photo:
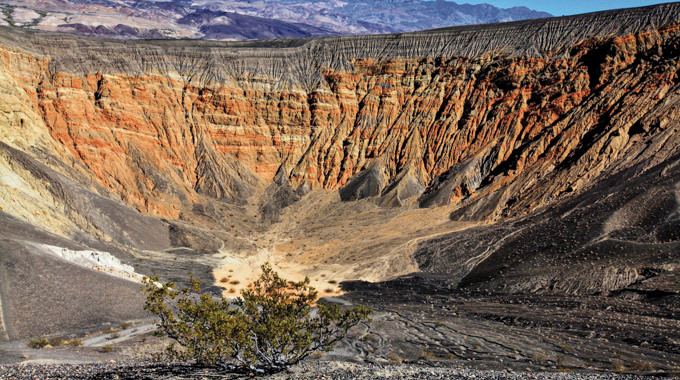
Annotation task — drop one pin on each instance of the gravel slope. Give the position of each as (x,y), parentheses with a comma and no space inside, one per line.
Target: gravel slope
(312,370)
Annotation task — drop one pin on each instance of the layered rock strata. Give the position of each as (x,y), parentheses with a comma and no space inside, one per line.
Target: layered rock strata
(163,151)
(469,111)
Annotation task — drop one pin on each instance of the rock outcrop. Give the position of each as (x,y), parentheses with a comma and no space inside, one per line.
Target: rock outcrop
(470,110)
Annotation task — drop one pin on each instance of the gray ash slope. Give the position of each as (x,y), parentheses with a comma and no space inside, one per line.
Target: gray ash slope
(621,236)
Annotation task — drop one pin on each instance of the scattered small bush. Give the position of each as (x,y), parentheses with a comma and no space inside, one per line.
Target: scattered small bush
(224,280)
(107,348)
(395,359)
(565,347)
(56,342)
(75,343)
(617,366)
(235,282)
(125,326)
(38,343)
(426,355)
(267,329)
(332,282)
(640,366)
(451,356)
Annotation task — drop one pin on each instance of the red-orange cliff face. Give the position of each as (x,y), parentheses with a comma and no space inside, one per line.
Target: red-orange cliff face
(462,126)
(143,137)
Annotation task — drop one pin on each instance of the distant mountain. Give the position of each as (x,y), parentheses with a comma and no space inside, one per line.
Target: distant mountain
(248,19)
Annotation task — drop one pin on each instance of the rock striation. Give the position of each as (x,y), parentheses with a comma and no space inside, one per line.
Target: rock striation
(470,111)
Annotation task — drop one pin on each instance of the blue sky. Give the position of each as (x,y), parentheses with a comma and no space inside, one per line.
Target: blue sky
(566,7)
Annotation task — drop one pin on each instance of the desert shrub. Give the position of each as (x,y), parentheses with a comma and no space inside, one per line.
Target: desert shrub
(38,342)
(426,355)
(640,366)
(56,342)
(394,358)
(565,347)
(270,327)
(618,366)
(75,342)
(107,348)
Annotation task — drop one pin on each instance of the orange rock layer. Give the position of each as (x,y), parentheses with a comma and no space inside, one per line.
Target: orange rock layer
(158,143)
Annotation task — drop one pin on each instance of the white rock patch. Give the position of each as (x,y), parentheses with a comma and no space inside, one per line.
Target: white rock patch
(95,260)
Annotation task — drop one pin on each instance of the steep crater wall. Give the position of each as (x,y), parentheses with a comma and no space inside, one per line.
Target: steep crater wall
(527,110)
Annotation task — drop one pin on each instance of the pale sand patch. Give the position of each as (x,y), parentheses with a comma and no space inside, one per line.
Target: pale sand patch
(24,16)
(51,21)
(331,242)
(241,272)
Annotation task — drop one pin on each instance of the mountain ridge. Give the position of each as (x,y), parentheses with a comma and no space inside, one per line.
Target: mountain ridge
(243,20)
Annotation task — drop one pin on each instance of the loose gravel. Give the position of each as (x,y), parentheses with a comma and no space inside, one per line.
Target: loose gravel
(311,370)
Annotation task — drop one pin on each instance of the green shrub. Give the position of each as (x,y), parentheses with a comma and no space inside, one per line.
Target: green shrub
(266,330)
(75,342)
(107,348)
(56,342)
(38,343)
